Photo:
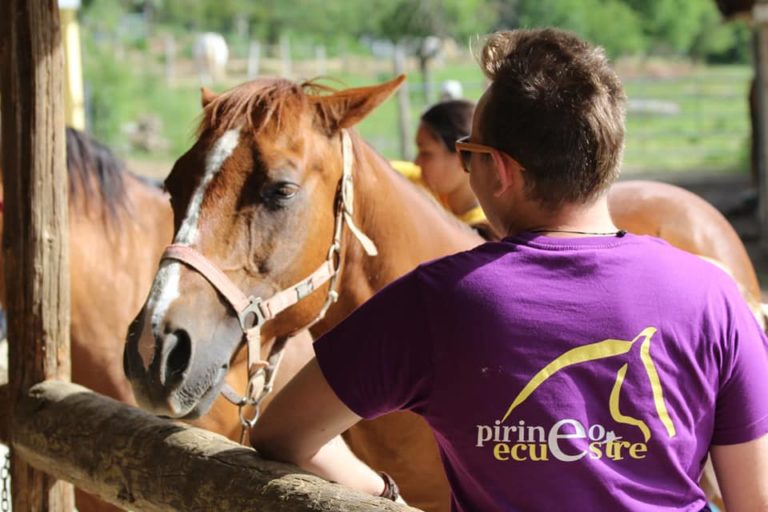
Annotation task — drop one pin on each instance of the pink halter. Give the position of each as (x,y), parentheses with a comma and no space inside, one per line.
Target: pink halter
(253,312)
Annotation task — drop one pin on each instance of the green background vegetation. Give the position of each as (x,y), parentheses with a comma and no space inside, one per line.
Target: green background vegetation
(674,53)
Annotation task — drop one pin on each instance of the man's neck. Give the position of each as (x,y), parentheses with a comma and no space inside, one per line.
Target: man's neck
(568,220)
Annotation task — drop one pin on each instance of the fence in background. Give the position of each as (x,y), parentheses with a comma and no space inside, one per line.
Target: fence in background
(681,117)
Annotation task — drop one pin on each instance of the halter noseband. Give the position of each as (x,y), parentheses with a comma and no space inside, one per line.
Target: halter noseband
(252,312)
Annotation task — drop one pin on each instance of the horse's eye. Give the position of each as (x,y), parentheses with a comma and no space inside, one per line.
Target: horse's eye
(285,190)
(280,193)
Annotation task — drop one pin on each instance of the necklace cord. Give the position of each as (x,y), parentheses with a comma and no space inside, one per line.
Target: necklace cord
(620,233)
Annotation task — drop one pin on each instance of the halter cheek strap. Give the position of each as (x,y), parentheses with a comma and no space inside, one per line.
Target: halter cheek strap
(252,311)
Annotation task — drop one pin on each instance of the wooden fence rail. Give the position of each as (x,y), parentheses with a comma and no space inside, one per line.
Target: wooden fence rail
(138,461)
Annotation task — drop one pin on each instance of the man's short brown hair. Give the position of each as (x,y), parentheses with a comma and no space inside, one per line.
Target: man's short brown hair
(556,106)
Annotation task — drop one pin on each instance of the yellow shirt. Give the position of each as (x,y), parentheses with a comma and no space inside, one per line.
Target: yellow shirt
(408,169)
(474,216)
(413,172)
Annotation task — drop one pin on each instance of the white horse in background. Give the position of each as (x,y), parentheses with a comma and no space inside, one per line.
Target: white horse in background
(211,53)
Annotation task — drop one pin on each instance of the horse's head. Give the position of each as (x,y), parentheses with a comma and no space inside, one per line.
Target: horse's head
(257,208)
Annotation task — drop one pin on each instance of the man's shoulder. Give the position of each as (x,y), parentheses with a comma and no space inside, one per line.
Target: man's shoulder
(697,277)
(666,257)
(447,270)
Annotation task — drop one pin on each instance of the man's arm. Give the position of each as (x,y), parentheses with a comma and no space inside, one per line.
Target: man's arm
(302,425)
(742,472)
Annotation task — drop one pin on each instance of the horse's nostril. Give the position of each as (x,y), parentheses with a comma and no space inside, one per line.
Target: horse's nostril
(179,357)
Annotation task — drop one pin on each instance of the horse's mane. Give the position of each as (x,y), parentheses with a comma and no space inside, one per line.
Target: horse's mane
(448,216)
(94,172)
(421,191)
(254,104)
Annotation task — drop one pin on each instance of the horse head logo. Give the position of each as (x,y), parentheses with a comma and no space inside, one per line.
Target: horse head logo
(603,350)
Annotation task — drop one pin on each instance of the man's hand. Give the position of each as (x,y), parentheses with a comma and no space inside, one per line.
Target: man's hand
(302,426)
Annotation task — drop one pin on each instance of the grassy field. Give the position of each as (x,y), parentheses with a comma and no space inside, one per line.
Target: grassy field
(681,117)
(697,121)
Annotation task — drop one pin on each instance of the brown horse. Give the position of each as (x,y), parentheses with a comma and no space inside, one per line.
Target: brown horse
(119,224)
(267,235)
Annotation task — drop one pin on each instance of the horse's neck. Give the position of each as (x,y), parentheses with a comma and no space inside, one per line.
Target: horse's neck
(407,226)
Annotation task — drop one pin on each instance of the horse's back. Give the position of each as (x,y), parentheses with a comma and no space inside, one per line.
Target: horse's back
(112,264)
(686,221)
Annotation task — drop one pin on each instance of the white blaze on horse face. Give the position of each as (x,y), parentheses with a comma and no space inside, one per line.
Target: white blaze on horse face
(165,288)
(221,150)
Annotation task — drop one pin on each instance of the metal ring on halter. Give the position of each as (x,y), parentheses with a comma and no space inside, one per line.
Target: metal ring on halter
(334,250)
(254,308)
(249,423)
(249,400)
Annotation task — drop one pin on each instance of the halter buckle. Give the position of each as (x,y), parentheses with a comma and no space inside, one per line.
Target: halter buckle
(251,312)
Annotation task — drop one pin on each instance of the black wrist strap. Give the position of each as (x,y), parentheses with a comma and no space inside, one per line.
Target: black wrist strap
(391,490)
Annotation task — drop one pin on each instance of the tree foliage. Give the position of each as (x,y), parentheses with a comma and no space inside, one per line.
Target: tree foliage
(640,27)
(609,23)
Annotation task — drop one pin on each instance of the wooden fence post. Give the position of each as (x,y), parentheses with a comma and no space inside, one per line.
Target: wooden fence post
(403,105)
(285,56)
(36,222)
(254,53)
(760,17)
(169,61)
(320,59)
(74,96)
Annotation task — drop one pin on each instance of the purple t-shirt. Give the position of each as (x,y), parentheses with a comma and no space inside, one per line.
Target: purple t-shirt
(590,373)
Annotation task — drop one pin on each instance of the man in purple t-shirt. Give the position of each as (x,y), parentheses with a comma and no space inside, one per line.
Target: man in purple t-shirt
(570,364)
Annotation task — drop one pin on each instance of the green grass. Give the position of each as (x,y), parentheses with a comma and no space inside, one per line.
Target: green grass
(709,133)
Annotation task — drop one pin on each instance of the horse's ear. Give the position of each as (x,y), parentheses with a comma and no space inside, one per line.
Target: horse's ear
(350,106)
(206,96)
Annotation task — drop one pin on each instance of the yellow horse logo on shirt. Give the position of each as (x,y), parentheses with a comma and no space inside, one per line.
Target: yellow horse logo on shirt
(602,350)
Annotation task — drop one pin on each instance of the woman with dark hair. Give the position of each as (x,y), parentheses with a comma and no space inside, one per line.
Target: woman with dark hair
(441,169)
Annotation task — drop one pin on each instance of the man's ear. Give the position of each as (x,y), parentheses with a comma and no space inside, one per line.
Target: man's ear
(509,172)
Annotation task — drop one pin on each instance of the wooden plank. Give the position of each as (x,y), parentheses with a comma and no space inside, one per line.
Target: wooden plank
(35,216)
(135,460)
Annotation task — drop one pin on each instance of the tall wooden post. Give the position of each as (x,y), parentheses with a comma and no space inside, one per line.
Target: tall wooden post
(74,95)
(403,106)
(36,222)
(254,55)
(169,60)
(760,16)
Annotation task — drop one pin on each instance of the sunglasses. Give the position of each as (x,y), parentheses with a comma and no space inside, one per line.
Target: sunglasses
(466,148)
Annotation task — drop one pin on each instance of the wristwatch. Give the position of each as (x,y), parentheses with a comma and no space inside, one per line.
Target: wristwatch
(391,490)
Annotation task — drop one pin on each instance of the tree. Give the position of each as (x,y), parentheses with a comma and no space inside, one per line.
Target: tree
(609,23)
(672,25)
